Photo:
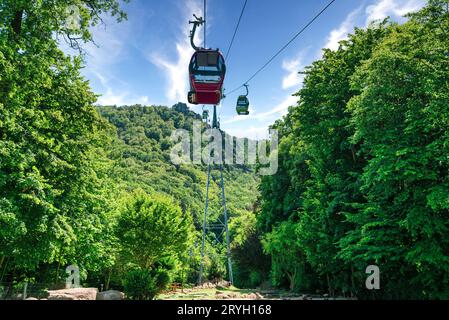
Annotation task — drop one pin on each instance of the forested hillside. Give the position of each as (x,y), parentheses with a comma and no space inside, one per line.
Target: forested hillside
(363,176)
(141,157)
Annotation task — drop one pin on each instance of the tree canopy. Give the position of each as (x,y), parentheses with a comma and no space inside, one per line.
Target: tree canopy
(363,157)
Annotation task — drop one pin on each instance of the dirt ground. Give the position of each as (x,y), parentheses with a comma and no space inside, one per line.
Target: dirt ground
(213,292)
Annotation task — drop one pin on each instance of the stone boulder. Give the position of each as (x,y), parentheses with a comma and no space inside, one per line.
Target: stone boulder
(110,295)
(73,294)
(251,296)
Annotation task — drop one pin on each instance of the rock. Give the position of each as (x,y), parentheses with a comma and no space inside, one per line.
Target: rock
(73,294)
(233,295)
(223,284)
(259,296)
(61,296)
(221,296)
(110,295)
(251,296)
(31,298)
(228,296)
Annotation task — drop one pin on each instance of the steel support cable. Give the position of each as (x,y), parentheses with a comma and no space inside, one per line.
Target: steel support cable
(205,22)
(236,30)
(284,47)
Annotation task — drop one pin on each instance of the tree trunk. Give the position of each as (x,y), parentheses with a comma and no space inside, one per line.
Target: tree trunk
(108,280)
(57,273)
(292,277)
(331,291)
(17,22)
(4,270)
(352,282)
(10,277)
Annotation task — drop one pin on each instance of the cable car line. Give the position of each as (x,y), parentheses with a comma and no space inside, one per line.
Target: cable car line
(205,22)
(204,42)
(235,31)
(284,47)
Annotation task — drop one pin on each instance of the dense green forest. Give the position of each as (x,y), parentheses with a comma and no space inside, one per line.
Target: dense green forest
(363,166)
(362,178)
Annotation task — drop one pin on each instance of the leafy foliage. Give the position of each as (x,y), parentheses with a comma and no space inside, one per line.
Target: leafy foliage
(363,157)
(69,171)
(151,228)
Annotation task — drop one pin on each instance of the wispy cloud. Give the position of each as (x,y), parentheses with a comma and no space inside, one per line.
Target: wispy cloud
(104,56)
(121,99)
(380,10)
(252,132)
(293,66)
(265,120)
(176,70)
(277,111)
(393,8)
(341,33)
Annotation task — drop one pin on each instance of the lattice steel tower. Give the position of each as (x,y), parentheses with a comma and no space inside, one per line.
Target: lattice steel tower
(220,225)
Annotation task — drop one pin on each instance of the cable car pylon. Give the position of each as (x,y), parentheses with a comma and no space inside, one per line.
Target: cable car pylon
(222,225)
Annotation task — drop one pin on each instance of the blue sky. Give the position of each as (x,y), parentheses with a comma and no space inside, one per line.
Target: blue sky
(144,60)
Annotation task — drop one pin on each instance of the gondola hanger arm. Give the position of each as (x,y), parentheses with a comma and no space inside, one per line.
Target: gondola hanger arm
(197,22)
(246,87)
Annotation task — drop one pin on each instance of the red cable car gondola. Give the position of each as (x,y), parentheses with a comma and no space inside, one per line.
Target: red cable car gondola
(207,71)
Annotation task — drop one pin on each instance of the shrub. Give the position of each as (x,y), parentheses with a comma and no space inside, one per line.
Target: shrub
(140,284)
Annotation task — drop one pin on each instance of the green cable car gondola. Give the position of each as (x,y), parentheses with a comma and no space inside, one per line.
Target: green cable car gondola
(243,104)
(205,115)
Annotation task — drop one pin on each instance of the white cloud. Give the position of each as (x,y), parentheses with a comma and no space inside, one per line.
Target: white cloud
(293,78)
(282,108)
(176,70)
(277,111)
(341,33)
(103,56)
(110,49)
(380,10)
(393,8)
(121,99)
(252,132)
